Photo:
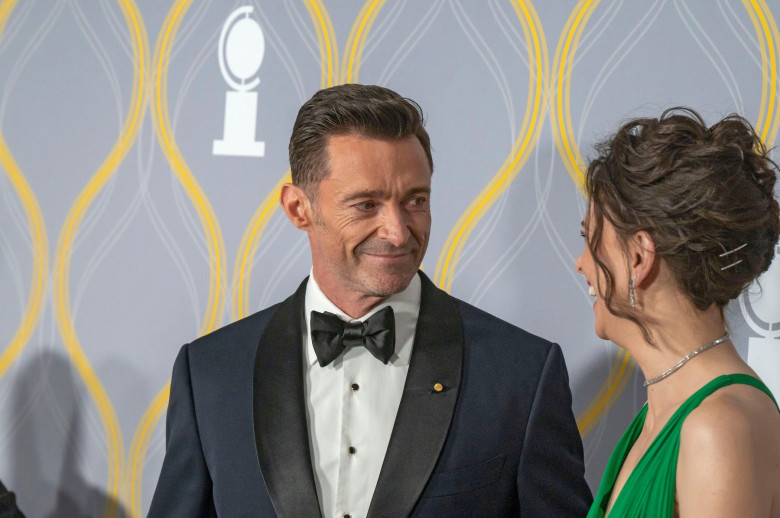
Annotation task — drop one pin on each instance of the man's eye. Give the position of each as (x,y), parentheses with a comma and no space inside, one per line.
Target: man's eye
(365,205)
(417,201)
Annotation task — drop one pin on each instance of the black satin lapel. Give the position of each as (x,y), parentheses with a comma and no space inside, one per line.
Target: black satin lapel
(281,433)
(424,415)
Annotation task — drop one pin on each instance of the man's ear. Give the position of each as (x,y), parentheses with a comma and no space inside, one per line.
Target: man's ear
(643,263)
(296,205)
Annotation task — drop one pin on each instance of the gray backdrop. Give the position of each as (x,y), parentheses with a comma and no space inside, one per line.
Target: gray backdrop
(123,235)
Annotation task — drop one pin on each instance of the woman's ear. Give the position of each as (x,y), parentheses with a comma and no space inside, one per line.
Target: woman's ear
(296,205)
(643,264)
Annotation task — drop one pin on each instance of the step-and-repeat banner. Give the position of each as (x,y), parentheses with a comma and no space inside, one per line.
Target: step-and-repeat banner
(143,144)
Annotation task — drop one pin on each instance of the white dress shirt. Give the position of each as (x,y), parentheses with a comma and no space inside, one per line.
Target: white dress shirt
(351,405)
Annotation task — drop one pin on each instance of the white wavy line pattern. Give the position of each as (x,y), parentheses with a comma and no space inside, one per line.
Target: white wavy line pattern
(135,195)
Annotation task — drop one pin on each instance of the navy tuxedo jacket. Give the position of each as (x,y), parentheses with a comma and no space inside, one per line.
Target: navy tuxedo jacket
(499,439)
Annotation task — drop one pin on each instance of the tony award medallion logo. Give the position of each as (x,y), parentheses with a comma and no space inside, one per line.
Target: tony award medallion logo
(762,313)
(241,49)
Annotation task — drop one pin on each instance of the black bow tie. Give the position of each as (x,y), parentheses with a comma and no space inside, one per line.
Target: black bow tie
(330,335)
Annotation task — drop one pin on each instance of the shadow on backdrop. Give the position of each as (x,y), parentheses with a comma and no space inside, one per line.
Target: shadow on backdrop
(610,427)
(47,455)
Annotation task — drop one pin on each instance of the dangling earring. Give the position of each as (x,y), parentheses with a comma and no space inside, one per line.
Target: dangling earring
(631,298)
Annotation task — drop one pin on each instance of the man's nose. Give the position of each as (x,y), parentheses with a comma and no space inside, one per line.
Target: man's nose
(394,227)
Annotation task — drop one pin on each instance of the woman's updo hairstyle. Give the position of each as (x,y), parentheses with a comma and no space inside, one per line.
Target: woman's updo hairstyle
(701,193)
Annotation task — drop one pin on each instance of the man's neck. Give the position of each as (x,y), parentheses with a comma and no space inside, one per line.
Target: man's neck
(355,307)
(353,304)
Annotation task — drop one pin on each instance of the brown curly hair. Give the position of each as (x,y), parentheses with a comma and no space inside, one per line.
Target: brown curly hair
(699,192)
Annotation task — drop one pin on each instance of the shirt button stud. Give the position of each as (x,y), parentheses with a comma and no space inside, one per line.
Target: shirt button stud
(352,450)
(355,387)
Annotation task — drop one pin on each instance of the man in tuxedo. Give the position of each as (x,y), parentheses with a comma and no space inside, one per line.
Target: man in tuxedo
(369,392)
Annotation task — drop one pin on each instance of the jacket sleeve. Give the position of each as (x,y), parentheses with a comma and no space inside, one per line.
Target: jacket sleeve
(184,487)
(551,472)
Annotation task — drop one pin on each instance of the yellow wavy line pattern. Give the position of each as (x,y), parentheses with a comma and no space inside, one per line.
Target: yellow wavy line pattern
(6,7)
(63,256)
(242,272)
(212,234)
(38,239)
(249,242)
(326,38)
(768,37)
(561,106)
(616,381)
(40,257)
(357,40)
(764,76)
(140,444)
(124,483)
(162,124)
(560,116)
(524,144)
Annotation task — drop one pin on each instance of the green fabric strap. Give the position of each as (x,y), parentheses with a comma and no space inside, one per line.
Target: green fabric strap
(650,489)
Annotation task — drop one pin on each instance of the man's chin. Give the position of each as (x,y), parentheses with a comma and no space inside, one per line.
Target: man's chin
(384,285)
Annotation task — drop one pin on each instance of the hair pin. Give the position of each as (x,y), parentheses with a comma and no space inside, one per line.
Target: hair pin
(732,264)
(737,249)
(724,254)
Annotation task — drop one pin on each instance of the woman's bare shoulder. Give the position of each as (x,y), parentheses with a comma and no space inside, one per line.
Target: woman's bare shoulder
(729,458)
(732,412)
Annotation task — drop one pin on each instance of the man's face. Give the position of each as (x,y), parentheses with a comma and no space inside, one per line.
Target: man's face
(371,218)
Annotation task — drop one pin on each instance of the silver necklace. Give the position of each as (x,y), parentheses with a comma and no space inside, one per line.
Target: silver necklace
(686,359)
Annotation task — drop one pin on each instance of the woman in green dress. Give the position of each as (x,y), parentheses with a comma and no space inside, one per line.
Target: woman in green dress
(682,218)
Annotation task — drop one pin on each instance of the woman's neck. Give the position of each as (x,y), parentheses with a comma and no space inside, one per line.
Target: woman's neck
(677,329)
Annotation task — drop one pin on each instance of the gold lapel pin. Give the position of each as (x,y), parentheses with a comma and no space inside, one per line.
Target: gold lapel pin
(438,387)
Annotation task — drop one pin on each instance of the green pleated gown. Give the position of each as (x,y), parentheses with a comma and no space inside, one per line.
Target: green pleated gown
(649,490)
